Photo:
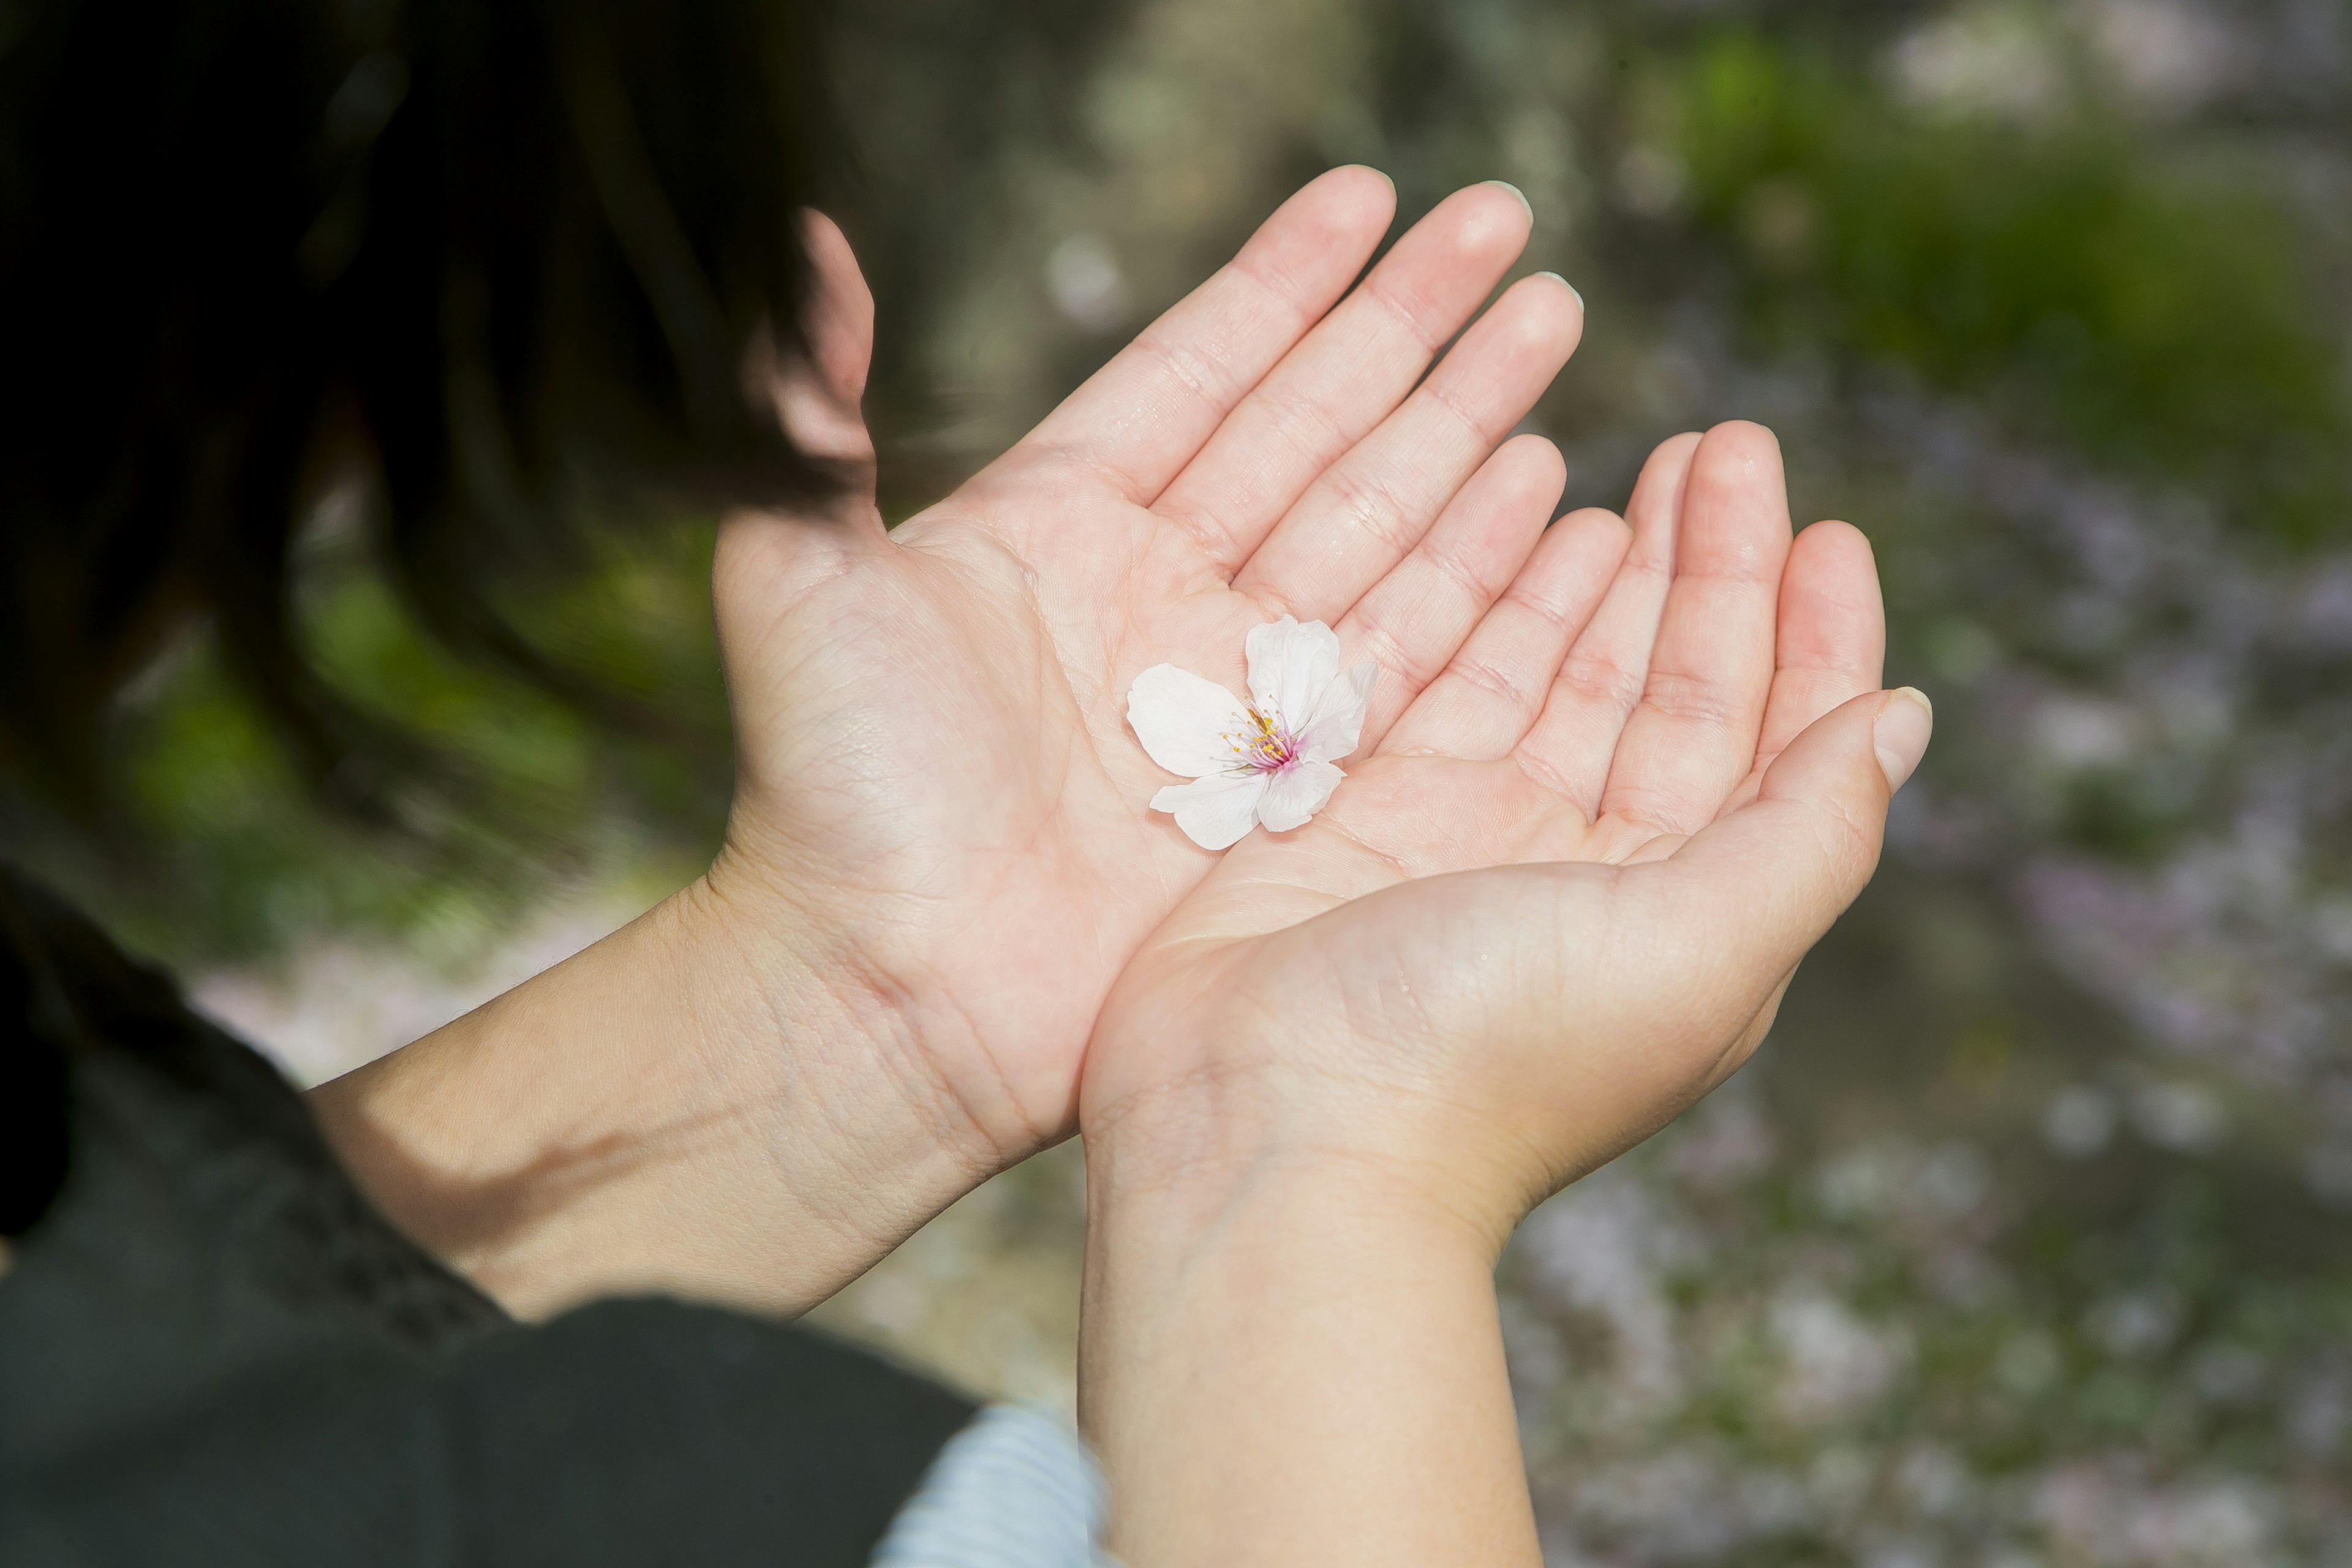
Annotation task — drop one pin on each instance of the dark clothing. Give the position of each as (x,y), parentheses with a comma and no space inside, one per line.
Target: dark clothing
(214,1351)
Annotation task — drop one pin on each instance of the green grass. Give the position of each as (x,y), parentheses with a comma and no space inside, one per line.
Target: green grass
(2076,276)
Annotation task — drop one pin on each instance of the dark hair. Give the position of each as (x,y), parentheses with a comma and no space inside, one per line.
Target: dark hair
(508,255)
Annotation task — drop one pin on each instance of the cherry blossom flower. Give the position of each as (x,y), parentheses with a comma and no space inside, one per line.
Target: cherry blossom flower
(1268,761)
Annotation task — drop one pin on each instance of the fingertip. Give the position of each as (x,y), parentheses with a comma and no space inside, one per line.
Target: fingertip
(1547,313)
(1538,454)
(816,225)
(1654,509)
(1509,501)
(1736,500)
(1583,551)
(1669,461)
(1492,219)
(1573,292)
(1833,619)
(1835,527)
(1739,453)
(834,258)
(1361,188)
(1900,733)
(838,322)
(1830,531)
(1341,211)
(1599,519)
(1836,559)
(1554,280)
(1516,194)
(1745,435)
(1612,534)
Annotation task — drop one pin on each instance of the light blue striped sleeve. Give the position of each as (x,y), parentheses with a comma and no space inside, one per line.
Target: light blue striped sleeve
(1016,1488)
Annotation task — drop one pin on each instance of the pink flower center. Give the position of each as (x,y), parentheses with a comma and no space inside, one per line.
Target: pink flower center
(1266,747)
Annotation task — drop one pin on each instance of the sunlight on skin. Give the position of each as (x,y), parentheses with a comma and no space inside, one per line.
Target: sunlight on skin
(1546,914)
(932,720)
(940,854)
(1701,689)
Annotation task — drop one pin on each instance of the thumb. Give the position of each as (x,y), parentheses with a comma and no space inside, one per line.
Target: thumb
(1767,880)
(840,323)
(818,397)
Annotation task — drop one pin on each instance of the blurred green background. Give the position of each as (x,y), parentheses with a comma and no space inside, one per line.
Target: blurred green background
(2028,1238)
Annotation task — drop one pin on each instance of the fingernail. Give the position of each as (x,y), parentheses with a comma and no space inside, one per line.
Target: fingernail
(1567,285)
(1518,193)
(1900,735)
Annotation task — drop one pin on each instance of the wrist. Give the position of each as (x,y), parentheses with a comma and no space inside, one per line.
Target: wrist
(1309,1339)
(1249,1118)
(1165,1206)
(686,1106)
(1151,1223)
(811,1028)
(816,1079)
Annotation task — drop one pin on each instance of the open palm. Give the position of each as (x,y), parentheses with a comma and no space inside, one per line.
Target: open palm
(1501,934)
(931,720)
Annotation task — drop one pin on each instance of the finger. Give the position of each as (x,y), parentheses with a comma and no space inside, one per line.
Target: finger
(818,401)
(817,397)
(1358,363)
(1832,639)
(1748,897)
(1761,885)
(840,324)
(1369,507)
(1765,882)
(1416,617)
(1568,746)
(1141,417)
(1692,737)
(1492,689)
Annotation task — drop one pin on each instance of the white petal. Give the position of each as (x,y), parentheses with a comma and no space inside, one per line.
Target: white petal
(1289,666)
(1296,794)
(1337,722)
(1188,725)
(1214,812)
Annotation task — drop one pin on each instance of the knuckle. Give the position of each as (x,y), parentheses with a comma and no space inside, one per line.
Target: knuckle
(1485,675)
(1692,699)
(1602,681)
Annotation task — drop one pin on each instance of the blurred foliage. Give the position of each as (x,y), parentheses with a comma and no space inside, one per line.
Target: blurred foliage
(2068,271)
(233,856)
(1832,1358)
(2158,313)
(2025,1241)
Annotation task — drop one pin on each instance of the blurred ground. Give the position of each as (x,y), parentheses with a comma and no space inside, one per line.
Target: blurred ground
(2029,1238)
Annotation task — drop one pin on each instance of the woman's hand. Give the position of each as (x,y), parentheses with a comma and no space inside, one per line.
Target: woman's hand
(1559,901)
(939,857)
(1559,898)
(940,804)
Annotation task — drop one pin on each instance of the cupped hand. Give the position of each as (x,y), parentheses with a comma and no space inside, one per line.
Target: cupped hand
(939,798)
(1560,897)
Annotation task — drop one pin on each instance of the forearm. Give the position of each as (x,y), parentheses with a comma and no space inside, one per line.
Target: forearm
(1296,1366)
(682,1106)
